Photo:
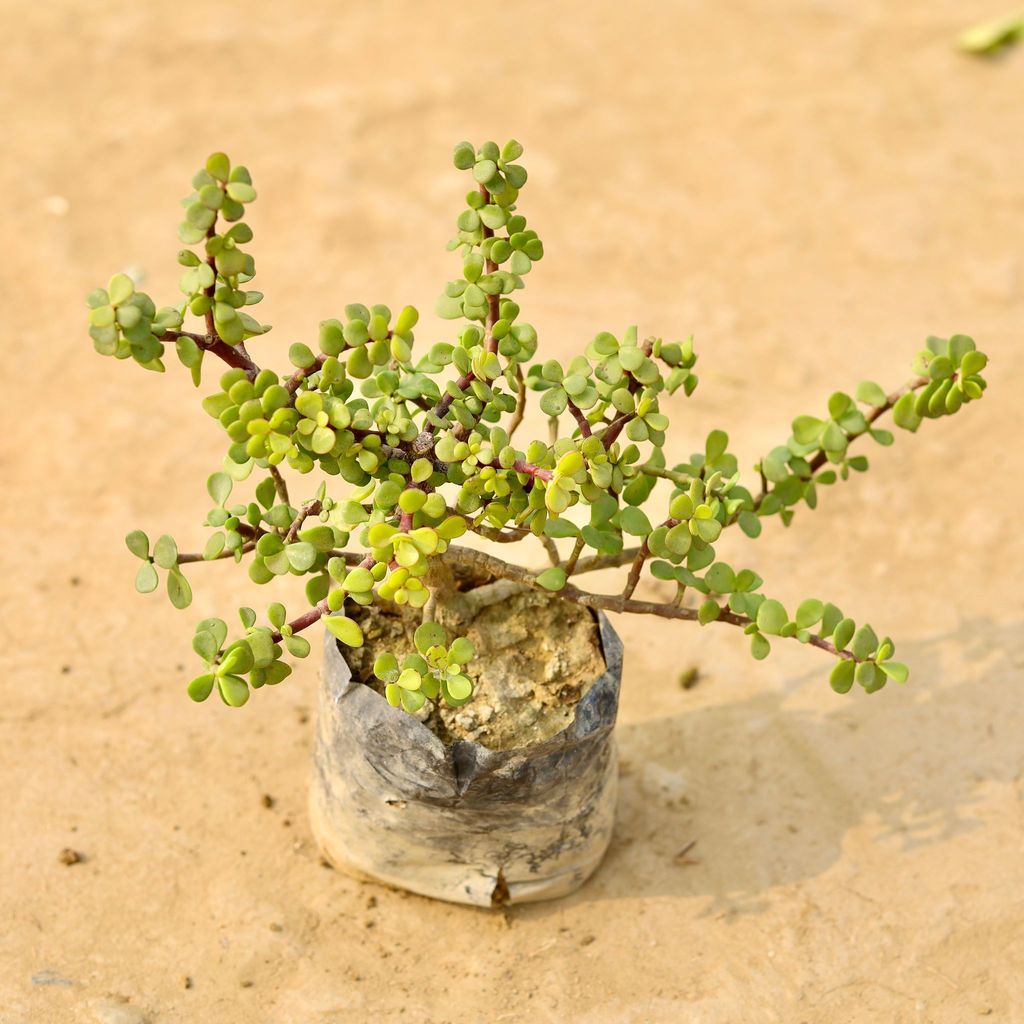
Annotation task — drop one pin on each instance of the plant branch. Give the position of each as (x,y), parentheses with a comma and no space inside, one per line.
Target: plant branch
(610,602)
(574,557)
(638,562)
(195,556)
(615,428)
(580,417)
(311,508)
(279,485)
(594,563)
(213,344)
(551,548)
(819,460)
(291,385)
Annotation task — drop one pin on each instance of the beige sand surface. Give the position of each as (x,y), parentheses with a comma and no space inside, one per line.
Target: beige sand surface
(811,186)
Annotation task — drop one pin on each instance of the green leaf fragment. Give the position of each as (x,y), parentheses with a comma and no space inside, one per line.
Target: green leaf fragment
(771,617)
(841,677)
(345,629)
(138,544)
(178,589)
(553,578)
(146,579)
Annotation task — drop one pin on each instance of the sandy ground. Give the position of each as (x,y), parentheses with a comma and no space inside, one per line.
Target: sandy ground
(811,187)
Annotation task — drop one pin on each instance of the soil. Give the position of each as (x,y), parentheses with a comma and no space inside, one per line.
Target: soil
(811,187)
(536,657)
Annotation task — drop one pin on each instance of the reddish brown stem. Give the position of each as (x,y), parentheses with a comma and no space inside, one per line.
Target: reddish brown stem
(213,344)
(581,418)
(821,458)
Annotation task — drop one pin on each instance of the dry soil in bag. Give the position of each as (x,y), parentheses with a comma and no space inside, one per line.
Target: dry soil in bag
(392,802)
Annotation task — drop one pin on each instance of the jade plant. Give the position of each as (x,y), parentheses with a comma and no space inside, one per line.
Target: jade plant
(417,446)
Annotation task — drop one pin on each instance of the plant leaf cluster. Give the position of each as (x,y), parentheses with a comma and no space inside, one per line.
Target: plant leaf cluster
(415,446)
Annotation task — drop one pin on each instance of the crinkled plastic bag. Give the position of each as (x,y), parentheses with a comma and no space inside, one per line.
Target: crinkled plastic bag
(390,802)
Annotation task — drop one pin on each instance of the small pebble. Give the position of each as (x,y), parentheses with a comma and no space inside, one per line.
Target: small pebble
(268,801)
(68,856)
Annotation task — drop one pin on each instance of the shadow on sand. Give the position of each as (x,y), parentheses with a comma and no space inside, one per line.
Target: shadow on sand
(767,793)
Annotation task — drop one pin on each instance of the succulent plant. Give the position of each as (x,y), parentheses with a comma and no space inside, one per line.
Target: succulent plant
(419,449)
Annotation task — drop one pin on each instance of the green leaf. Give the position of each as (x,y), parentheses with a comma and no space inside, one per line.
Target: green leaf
(461,651)
(459,687)
(301,555)
(298,646)
(412,700)
(750,523)
(807,429)
(237,659)
(165,552)
(552,579)
(904,413)
(720,578)
(206,645)
(219,166)
(560,528)
(841,677)
(708,612)
(771,617)
(429,634)
(830,618)
(809,612)
(345,629)
(553,402)
(843,633)
(871,394)
(385,668)
(992,35)
(301,356)
(410,679)
(178,590)
(120,289)
(864,643)
(219,487)
(760,648)
(484,171)
(138,544)
(869,676)
(895,670)
(201,687)
(834,439)
(972,363)
(634,521)
(464,156)
(714,448)
(358,581)
(234,690)
(241,192)
(146,579)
